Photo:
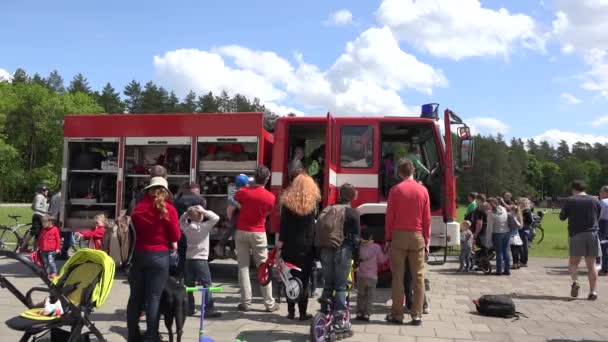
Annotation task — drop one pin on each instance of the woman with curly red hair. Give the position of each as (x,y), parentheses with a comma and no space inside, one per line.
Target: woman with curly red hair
(296,238)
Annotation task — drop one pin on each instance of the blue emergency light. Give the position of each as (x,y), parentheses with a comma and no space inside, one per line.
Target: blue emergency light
(430,111)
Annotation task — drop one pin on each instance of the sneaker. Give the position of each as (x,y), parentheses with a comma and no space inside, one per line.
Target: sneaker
(416,322)
(305,317)
(243,307)
(426,311)
(506,273)
(191,313)
(574,289)
(291,316)
(273,308)
(523,265)
(362,318)
(212,314)
(592,296)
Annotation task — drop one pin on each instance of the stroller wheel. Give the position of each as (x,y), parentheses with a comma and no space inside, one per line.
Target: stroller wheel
(485,267)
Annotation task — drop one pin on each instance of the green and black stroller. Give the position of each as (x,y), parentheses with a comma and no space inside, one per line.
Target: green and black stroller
(83,284)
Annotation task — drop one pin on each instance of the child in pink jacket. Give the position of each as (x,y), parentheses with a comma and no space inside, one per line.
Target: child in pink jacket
(370,257)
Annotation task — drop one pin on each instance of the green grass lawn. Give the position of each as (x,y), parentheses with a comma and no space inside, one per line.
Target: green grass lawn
(25,212)
(555,243)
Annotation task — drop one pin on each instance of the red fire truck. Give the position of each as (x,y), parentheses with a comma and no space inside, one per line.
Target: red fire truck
(362,151)
(107,158)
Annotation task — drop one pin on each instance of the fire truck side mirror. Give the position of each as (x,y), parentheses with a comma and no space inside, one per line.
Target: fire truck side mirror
(467,150)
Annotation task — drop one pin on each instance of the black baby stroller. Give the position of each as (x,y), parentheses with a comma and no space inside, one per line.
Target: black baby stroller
(83,283)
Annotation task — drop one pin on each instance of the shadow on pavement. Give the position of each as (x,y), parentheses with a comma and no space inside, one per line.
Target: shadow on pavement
(265,336)
(567,340)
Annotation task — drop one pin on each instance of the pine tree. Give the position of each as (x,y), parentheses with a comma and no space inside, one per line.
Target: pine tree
(563,151)
(224,102)
(152,99)
(20,76)
(242,104)
(208,104)
(172,104)
(79,84)
(109,99)
(39,80)
(546,152)
(134,96)
(189,104)
(55,82)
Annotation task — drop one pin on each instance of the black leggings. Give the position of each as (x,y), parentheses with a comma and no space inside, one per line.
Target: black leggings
(147,279)
(304,261)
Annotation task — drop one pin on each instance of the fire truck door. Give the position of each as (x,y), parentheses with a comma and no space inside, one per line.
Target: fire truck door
(330,192)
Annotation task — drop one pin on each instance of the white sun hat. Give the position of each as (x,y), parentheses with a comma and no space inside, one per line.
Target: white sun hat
(156,182)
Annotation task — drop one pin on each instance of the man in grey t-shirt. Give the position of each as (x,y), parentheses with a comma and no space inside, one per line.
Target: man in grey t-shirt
(582,212)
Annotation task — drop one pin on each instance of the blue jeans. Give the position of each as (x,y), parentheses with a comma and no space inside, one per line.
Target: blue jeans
(68,242)
(336,265)
(501,245)
(48,260)
(198,273)
(147,279)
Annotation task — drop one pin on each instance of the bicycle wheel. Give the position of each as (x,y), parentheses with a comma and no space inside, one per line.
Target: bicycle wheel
(9,240)
(318,328)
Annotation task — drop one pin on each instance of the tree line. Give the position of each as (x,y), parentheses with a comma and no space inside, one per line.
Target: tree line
(31,138)
(533,169)
(31,120)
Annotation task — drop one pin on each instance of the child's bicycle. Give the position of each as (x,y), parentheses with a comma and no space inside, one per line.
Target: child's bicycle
(483,262)
(322,326)
(292,286)
(203,291)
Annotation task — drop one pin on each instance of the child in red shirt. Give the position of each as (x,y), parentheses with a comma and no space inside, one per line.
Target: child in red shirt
(49,244)
(95,235)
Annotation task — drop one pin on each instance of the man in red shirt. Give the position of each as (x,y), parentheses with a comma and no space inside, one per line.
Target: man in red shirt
(250,236)
(407,230)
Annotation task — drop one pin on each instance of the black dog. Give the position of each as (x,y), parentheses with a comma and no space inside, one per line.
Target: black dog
(173,305)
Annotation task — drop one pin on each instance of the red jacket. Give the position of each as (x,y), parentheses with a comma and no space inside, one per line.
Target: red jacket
(95,236)
(49,239)
(408,208)
(154,232)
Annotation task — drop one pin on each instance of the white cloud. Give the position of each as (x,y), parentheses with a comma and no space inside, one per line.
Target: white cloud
(486,125)
(365,80)
(596,79)
(5,76)
(339,18)
(569,99)
(601,121)
(459,29)
(581,24)
(554,136)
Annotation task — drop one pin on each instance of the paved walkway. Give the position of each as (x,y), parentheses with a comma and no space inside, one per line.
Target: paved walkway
(540,291)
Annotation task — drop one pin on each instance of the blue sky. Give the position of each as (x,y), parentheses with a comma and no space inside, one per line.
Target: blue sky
(534,69)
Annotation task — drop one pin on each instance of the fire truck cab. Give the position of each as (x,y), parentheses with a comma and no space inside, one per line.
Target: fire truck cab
(362,151)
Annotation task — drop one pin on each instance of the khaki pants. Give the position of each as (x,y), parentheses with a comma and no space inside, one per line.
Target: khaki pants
(255,244)
(407,246)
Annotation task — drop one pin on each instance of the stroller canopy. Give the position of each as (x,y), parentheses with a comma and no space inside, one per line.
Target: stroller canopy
(90,262)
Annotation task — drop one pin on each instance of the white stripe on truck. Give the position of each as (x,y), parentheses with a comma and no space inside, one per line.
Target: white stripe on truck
(338,179)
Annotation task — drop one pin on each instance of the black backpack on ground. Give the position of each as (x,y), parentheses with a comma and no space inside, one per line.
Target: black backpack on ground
(496,306)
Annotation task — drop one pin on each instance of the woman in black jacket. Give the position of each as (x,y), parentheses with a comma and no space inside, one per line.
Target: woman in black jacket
(525,207)
(296,238)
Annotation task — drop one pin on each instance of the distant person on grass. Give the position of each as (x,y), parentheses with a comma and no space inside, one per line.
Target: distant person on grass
(525,206)
(603,225)
(582,212)
(471,207)
(40,209)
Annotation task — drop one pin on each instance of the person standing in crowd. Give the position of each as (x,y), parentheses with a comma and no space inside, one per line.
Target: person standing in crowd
(506,200)
(370,257)
(336,262)
(466,247)
(189,198)
(157,227)
(582,212)
(40,209)
(471,207)
(48,245)
(479,223)
(603,229)
(498,229)
(250,237)
(155,171)
(296,238)
(196,223)
(407,232)
(525,206)
(55,210)
(95,235)
(515,224)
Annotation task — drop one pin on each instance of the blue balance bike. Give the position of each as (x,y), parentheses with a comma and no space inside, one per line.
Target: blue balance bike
(203,291)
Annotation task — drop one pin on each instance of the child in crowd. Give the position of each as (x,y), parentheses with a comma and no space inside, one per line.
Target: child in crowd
(232,211)
(514,220)
(49,245)
(95,235)
(466,246)
(370,257)
(196,224)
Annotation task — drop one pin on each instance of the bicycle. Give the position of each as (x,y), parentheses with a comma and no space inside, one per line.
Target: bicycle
(10,240)
(292,286)
(536,229)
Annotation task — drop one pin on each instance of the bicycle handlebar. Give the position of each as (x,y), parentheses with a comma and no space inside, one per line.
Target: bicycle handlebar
(201,288)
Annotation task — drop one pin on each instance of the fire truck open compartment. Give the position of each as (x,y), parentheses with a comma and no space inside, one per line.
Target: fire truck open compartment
(396,140)
(311,137)
(107,158)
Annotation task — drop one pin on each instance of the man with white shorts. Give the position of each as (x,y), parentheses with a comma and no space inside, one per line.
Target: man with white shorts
(582,212)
